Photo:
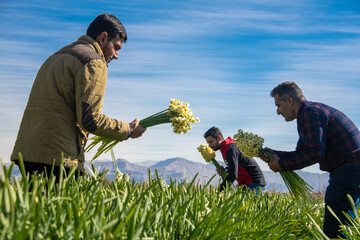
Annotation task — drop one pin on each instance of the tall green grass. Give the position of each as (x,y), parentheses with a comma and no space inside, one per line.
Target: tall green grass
(89,209)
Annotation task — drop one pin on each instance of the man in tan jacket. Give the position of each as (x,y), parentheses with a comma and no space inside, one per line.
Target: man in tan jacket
(66,99)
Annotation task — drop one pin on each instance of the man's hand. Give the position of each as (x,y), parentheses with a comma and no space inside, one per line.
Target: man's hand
(219,170)
(136,129)
(274,163)
(264,156)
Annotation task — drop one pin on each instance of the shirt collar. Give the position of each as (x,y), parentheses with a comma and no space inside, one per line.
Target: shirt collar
(301,108)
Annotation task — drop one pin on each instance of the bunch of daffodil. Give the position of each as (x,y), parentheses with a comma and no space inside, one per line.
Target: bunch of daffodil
(178,114)
(181,116)
(209,155)
(251,145)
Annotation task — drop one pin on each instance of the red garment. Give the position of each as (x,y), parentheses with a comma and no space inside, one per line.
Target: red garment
(243,177)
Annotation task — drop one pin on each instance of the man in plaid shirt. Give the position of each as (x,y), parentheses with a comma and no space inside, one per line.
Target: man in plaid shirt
(328,137)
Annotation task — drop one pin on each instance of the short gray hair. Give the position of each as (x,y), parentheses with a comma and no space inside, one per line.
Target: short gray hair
(288,89)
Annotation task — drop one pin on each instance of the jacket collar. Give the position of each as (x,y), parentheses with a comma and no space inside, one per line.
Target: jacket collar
(93,44)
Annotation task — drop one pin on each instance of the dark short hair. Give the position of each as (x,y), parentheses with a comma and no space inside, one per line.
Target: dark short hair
(288,89)
(107,23)
(213,132)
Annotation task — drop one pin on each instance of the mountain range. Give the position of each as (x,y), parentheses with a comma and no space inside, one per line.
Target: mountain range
(183,169)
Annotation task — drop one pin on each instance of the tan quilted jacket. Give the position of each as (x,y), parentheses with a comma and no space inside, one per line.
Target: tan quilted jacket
(65,105)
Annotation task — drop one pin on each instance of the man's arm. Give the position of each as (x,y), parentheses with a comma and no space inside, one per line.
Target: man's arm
(89,93)
(285,154)
(313,142)
(231,158)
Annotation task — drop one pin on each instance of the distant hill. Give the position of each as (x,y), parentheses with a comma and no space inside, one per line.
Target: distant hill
(147,163)
(181,169)
(138,172)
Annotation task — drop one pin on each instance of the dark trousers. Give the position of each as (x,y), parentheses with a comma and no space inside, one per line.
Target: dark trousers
(33,168)
(344,180)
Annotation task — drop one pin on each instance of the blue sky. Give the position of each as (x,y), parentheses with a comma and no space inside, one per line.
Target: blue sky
(223,57)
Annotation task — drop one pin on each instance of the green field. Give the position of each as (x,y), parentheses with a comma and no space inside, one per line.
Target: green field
(88,209)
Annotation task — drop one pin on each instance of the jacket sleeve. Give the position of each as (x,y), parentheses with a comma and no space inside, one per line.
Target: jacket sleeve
(90,87)
(231,158)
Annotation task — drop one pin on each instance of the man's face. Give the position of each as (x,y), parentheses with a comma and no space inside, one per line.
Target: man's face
(285,108)
(213,143)
(111,49)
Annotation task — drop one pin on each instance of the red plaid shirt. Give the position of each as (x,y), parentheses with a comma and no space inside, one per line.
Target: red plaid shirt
(326,136)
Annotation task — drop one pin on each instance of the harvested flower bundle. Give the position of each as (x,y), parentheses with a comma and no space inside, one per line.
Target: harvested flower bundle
(251,145)
(178,114)
(209,155)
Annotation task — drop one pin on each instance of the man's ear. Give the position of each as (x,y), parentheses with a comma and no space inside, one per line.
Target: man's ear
(102,39)
(219,138)
(290,100)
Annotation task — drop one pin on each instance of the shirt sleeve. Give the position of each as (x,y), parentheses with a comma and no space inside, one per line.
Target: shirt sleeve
(311,145)
(90,90)
(287,154)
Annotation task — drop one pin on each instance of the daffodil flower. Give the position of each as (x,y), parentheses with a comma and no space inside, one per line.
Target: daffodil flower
(209,156)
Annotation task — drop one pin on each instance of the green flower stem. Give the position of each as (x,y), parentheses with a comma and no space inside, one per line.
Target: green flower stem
(156,115)
(149,122)
(295,184)
(107,144)
(217,165)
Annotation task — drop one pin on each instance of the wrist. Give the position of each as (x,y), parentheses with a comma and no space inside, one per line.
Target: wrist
(130,131)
